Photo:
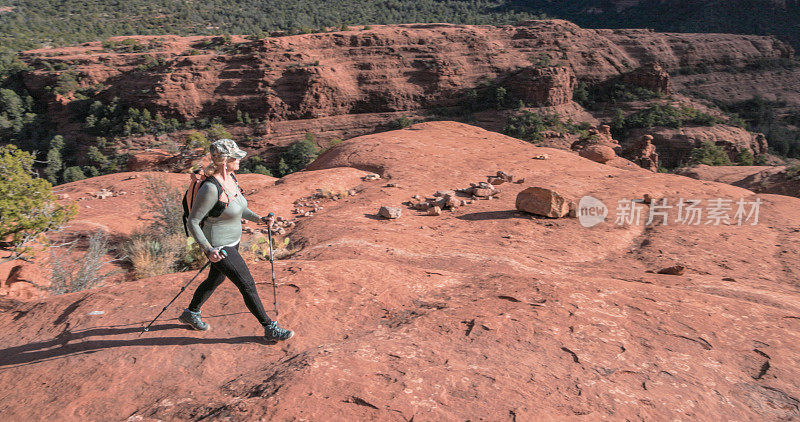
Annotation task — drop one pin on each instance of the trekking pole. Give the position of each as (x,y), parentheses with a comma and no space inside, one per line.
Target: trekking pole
(272,263)
(179,293)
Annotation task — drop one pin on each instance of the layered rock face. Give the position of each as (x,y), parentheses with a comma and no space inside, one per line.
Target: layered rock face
(388,68)
(651,76)
(675,145)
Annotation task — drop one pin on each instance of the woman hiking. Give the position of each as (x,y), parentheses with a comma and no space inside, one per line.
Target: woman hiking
(219,238)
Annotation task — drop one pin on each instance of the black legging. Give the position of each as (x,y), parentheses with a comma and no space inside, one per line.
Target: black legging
(233,267)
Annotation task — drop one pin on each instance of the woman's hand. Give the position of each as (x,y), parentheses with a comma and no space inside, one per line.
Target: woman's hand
(269,220)
(214,255)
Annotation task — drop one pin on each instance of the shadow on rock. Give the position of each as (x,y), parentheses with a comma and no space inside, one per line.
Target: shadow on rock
(493,215)
(60,346)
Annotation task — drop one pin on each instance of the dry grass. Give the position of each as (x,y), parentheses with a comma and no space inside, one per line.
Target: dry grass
(258,248)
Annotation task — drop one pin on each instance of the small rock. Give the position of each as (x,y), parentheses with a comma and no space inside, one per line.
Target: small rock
(452,202)
(505,176)
(483,192)
(103,194)
(417,197)
(371,176)
(673,270)
(648,199)
(496,181)
(463,202)
(422,206)
(541,157)
(391,185)
(444,193)
(389,212)
(248,230)
(351,192)
(520,181)
(434,211)
(62,196)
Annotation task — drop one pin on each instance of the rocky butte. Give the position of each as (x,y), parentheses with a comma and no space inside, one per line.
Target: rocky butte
(348,83)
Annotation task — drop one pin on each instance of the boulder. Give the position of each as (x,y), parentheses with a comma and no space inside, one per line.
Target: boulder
(434,211)
(598,153)
(389,212)
(542,201)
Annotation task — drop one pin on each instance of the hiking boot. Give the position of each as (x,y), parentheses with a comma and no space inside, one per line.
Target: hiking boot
(272,332)
(193,319)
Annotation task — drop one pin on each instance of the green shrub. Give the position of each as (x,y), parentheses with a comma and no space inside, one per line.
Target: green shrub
(28,207)
(660,116)
(254,164)
(592,97)
(73,174)
(710,154)
(530,126)
(403,123)
(297,156)
(793,172)
(745,158)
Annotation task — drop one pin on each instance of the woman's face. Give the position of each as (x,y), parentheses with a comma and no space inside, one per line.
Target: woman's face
(233,164)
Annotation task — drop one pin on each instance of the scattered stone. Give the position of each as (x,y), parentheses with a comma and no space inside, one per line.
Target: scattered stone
(352,192)
(370,177)
(541,157)
(444,193)
(673,270)
(103,194)
(248,230)
(434,211)
(496,181)
(483,192)
(422,206)
(463,202)
(439,202)
(573,210)
(452,202)
(505,176)
(417,197)
(389,212)
(133,176)
(62,196)
(121,193)
(542,201)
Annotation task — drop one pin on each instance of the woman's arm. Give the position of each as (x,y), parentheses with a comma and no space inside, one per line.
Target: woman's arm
(248,214)
(207,197)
